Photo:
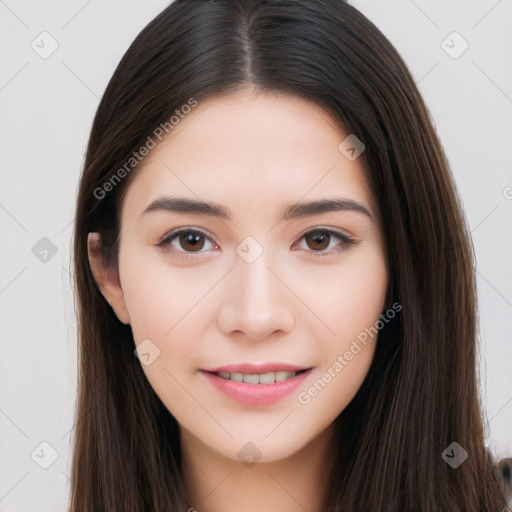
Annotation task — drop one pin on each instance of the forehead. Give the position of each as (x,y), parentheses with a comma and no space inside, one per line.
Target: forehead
(253,150)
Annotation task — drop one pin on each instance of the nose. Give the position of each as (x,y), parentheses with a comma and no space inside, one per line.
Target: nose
(256,302)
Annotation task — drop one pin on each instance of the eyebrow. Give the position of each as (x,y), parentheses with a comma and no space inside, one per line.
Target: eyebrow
(291,211)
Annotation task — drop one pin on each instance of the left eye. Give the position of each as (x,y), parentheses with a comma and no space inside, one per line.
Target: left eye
(322,238)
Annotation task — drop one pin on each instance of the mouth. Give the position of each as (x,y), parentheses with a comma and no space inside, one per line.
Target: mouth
(257,388)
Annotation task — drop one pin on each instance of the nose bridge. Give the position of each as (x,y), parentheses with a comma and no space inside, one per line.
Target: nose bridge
(252,272)
(257,286)
(255,301)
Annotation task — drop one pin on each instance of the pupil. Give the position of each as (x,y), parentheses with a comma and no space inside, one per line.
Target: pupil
(192,240)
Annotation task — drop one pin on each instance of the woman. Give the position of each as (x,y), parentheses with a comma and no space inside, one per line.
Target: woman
(275,281)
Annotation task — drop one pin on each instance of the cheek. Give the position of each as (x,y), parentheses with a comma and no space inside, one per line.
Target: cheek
(335,384)
(350,304)
(162,299)
(347,355)
(346,297)
(170,307)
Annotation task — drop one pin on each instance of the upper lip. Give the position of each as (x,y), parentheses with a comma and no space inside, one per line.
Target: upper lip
(257,368)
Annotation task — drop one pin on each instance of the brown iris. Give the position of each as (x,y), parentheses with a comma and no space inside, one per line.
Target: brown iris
(320,238)
(191,241)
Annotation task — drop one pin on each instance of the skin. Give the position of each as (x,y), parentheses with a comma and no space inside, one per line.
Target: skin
(253,153)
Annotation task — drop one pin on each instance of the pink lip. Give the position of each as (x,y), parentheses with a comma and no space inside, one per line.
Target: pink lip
(256,368)
(256,394)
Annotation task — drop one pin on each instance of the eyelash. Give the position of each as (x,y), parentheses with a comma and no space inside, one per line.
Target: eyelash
(166,241)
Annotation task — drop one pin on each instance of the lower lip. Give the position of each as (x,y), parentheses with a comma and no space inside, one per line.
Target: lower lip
(256,394)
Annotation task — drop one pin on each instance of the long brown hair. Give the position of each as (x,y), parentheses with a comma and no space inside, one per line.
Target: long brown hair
(421,393)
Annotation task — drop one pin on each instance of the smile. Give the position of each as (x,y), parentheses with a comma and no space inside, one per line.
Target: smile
(257,388)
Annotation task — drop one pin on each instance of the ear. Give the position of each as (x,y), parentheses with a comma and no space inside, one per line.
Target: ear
(106,278)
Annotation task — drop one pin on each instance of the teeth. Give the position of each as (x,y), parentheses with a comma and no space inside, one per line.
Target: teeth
(266,378)
(282,376)
(251,378)
(258,378)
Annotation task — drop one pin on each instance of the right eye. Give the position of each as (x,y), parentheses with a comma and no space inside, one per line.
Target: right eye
(186,241)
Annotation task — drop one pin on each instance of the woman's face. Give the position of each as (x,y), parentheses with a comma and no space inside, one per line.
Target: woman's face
(252,280)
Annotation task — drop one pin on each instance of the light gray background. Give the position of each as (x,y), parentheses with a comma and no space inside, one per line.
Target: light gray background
(46,111)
